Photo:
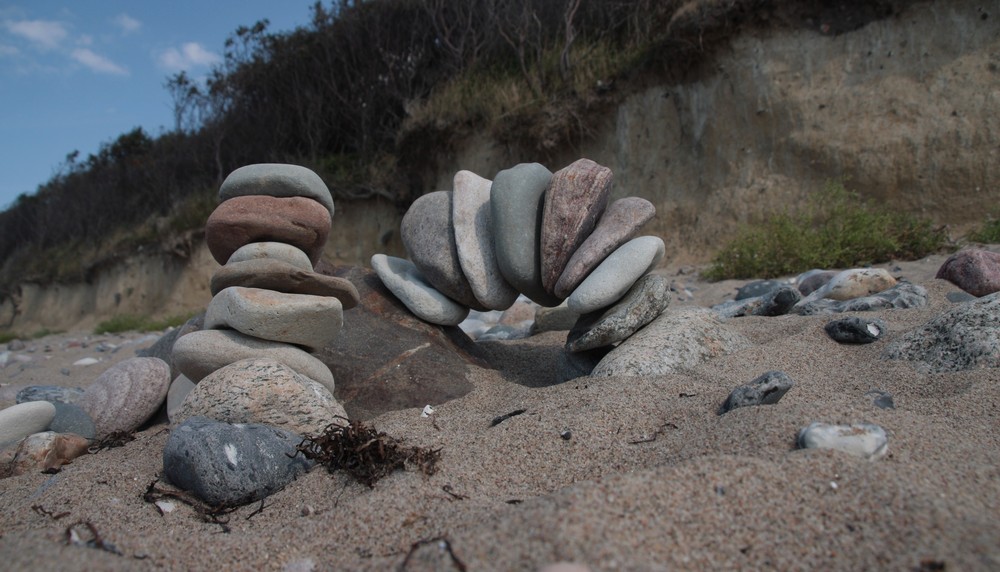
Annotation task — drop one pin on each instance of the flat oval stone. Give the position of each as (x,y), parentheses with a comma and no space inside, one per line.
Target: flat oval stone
(517,200)
(404,280)
(276,180)
(620,223)
(619,271)
(852,283)
(863,440)
(767,389)
(474,240)
(574,201)
(200,353)
(231,464)
(646,300)
(19,421)
(261,390)
(429,238)
(310,321)
(272,251)
(974,270)
(278,275)
(127,394)
(298,221)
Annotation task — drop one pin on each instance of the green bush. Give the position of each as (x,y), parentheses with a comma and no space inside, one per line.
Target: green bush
(134,323)
(7,337)
(988,233)
(835,230)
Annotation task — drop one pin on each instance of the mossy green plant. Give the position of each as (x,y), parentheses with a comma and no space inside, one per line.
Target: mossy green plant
(988,232)
(137,323)
(836,229)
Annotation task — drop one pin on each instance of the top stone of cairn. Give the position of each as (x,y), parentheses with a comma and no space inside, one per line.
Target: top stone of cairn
(276,180)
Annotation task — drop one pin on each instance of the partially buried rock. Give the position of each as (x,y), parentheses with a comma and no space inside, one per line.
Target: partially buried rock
(474,240)
(276,180)
(902,295)
(767,389)
(646,300)
(619,271)
(676,341)
(278,275)
(301,319)
(126,395)
(963,337)
(429,238)
(262,391)
(809,282)
(574,201)
(71,418)
(51,393)
(620,223)
(863,440)
(44,451)
(405,281)
(301,222)
(391,359)
(19,421)
(758,288)
(776,302)
(855,330)
(200,353)
(230,465)
(853,283)
(974,270)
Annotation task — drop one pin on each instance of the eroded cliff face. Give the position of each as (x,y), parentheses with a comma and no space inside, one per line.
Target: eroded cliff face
(906,110)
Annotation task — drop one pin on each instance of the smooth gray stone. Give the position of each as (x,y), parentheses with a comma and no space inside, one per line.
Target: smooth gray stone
(50,393)
(274,251)
(620,223)
(646,300)
(231,465)
(678,340)
(474,240)
(902,295)
(619,271)
(555,319)
(517,200)
(855,330)
(276,180)
(809,282)
(758,288)
(180,387)
(301,319)
(127,394)
(71,418)
(964,337)
(502,332)
(200,353)
(404,280)
(863,440)
(429,238)
(777,302)
(19,421)
(164,347)
(766,389)
(959,297)
(277,275)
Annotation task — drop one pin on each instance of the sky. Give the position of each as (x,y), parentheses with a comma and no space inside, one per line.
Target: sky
(76,74)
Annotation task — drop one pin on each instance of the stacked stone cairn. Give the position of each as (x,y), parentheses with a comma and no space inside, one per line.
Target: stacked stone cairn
(553,237)
(252,384)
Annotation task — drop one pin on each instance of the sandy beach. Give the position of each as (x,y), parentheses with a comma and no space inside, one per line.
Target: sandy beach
(637,473)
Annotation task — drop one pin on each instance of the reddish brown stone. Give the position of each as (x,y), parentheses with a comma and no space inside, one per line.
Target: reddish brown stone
(620,224)
(575,200)
(280,276)
(299,221)
(974,270)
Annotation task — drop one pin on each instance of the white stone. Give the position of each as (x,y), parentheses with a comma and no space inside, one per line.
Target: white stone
(863,440)
(616,274)
(19,421)
(403,279)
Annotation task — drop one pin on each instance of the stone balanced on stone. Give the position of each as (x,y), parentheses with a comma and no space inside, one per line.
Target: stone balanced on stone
(270,310)
(551,237)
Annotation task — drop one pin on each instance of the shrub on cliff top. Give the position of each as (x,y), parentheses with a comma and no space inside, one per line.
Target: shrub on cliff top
(835,230)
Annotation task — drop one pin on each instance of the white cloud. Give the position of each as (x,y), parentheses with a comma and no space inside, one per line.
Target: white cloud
(127,23)
(190,55)
(45,34)
(97,62)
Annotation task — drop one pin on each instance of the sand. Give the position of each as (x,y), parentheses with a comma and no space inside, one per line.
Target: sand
(650,478)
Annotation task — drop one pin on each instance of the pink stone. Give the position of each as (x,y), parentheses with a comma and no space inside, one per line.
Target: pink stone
(974,270)
(298,221)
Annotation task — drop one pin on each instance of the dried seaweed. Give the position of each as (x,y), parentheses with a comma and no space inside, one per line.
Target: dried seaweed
(112,440)
(364,452)
(443,545)
(73,538)
(209,513)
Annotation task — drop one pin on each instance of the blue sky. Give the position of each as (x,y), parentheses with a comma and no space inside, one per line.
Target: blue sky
(77,74)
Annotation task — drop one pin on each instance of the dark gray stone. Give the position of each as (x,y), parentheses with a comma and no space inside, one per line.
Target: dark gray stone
(231,465)
(959,297)
(964,337)
(758,288)
(767,389)
(646,300)
(777,302)
(902,295)
(164,347)
(855,330)
(51,393)
(814,280)
(71,418)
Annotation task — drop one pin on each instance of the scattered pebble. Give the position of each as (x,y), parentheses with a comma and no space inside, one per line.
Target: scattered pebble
(863,440)
(767,389)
